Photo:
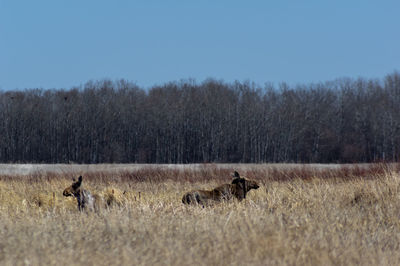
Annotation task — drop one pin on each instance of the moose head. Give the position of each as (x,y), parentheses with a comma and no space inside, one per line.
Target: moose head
(243,185)
(74,189)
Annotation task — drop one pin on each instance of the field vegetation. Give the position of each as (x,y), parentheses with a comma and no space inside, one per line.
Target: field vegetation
(303,215)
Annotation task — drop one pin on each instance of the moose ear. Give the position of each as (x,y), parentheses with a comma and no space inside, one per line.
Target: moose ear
(78,183)
(73,179)
(236,174)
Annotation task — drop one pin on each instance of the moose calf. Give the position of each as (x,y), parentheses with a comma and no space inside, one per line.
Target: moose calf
(85,199)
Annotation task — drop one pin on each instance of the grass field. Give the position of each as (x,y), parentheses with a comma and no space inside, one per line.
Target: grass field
(300,215)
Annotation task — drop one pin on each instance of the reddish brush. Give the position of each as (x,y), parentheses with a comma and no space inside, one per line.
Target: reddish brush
(209,172)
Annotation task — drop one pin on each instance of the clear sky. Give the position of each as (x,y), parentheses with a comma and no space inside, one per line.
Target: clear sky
(61,44)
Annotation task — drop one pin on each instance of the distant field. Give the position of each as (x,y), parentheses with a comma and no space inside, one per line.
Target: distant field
(27,169)
(301,215)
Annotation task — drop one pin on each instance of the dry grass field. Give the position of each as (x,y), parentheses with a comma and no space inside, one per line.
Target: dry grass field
(300,215)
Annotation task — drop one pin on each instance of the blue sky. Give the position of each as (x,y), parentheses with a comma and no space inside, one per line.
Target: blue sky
(61,44)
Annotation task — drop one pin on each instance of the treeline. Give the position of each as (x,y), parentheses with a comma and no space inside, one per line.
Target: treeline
(185,122)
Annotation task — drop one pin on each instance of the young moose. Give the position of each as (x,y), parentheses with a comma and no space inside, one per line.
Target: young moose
(85,199)
(238,189)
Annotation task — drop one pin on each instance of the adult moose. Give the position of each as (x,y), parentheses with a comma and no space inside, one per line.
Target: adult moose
(237,189)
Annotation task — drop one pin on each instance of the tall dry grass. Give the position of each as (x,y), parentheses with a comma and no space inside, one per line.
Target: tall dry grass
(299,216)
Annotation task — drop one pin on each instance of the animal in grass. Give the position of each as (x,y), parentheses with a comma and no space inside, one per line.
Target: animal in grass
(237,189)
(85,199)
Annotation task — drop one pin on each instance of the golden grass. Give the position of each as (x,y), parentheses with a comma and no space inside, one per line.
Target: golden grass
(309,220)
